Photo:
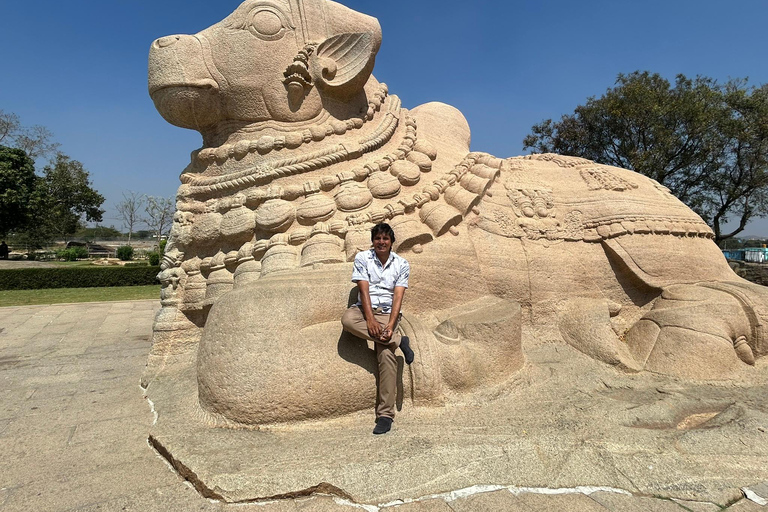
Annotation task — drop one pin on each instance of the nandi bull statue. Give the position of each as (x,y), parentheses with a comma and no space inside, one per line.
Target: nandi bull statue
(304,150)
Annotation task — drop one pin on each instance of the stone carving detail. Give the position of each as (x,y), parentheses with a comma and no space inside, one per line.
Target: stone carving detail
(304,150)
(530,214)
(559,160)
(599,178)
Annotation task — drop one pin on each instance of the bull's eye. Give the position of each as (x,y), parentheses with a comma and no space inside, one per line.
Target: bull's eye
(267,24)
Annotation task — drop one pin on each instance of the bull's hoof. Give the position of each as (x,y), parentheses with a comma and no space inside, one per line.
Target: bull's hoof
(699,331)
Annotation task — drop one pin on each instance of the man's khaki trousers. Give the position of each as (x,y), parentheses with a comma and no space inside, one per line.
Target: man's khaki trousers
(354,323)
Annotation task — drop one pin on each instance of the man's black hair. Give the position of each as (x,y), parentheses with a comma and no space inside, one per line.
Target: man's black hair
(383,228)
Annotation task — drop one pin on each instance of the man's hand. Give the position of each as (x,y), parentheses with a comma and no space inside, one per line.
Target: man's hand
(374,328)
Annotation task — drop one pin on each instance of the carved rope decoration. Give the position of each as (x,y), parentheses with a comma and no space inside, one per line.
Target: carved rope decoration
(300,164)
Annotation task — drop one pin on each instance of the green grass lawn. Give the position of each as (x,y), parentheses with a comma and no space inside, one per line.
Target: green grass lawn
(78,263)
(63,295)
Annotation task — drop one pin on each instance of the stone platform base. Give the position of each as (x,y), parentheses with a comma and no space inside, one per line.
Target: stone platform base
(561,422)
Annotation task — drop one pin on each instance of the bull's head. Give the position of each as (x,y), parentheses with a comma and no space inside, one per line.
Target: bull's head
(279,60)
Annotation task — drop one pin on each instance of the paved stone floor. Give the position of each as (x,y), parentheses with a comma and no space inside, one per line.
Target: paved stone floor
(74,423)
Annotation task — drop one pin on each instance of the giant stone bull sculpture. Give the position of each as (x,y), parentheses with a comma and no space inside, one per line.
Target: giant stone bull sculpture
(303,150)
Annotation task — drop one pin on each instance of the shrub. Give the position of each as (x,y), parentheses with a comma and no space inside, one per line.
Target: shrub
(137,264)
(162,246)
(76,277)
(125,253)
(154,258)
(72,254)
(31,256)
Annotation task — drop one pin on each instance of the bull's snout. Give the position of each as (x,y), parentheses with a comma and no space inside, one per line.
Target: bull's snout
(178,61)
(165,42)
(180,84)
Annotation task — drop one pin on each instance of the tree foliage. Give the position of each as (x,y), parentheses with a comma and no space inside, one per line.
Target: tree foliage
(706,142)
(68,197)
(125,253)
(35,208)
(17,187)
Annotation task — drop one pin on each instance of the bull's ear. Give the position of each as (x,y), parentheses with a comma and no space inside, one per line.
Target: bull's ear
(342,64)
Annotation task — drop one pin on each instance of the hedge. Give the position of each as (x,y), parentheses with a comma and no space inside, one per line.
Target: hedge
(76,277)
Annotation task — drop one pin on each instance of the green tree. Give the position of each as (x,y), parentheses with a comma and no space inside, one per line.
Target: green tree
(738,185)
(17,186)
(704,141)
(67,197)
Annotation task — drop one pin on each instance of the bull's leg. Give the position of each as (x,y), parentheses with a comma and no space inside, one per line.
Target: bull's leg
(273,351)
(585,323)
(479,343)
(701,331)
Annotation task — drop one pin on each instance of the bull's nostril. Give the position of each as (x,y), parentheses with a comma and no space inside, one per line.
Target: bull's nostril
(164,42)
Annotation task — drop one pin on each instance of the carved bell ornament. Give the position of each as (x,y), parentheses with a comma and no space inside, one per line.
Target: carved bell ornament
(475,184)
(420,159)
(322,248)
(280,256)
(484,171)
(461,199)
(314,208)
(383,185)
(220,279)
(409,232)
(353,197)
(248,268)
(356,240)
(426,147)
(439,217)
(194,294)
(275,215)
(207,228)
(237,224)
(407,172)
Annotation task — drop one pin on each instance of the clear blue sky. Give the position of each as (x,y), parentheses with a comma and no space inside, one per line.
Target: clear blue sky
(79,67)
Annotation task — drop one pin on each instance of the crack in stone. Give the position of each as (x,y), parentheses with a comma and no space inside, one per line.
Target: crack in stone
(323,488)
(183,471)
(341,497)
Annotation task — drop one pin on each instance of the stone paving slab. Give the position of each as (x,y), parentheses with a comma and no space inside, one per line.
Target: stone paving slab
(74,424)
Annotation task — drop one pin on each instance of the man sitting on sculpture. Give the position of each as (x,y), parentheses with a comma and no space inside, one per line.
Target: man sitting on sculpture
(381,277)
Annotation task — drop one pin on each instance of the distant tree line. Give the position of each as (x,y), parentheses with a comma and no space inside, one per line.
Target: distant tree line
(56,203)
(156,213)
(38,207)
(707,142)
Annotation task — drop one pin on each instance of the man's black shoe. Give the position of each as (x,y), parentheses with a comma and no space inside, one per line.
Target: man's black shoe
(383,424)
(405,346)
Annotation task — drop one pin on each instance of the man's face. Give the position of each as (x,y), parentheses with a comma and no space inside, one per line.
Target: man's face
(382,244)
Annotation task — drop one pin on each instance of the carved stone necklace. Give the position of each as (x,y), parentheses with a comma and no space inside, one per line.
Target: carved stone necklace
(419,155)
(317,131)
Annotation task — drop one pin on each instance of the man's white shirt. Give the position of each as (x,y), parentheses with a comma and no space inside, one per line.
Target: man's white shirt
(382,279)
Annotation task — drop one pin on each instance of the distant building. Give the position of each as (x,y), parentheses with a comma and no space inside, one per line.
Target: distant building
(756,254)
(734,254)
